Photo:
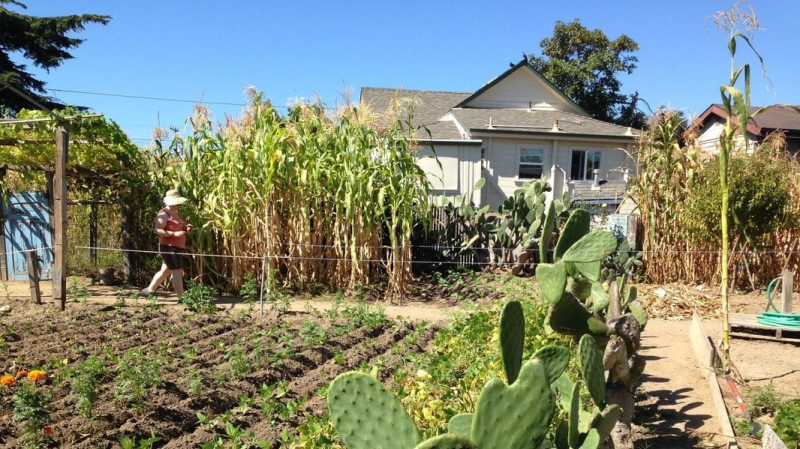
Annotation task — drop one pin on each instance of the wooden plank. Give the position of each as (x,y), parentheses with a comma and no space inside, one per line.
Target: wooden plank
(700,344)
(60,212)
(782,339)
(33,275)
(788,289)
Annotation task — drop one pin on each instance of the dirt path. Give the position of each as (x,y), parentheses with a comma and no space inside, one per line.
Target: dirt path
(19,292)
(679,411)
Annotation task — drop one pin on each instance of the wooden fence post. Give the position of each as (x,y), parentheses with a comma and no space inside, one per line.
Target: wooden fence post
(33,275)
(788,288)
(60,212)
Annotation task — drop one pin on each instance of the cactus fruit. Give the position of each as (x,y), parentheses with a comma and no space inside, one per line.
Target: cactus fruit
(600,297)
(514,416)
(639,312)
(555,360)
(592,369)
(547,233)
(447,441)
(577,226)
(552,280)
(460,424)
(591,247)
(366,415)
(512,339)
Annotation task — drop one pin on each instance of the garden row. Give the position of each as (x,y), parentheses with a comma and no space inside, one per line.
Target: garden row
(123,375)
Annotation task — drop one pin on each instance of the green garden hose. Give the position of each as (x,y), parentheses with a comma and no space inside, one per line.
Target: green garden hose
(776,318)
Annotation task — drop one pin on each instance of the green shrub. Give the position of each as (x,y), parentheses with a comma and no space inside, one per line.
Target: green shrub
(787,423)
(199,298)
(760,198)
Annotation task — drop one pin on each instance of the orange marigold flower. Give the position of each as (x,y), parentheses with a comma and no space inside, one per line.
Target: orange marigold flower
(7,380)
(36,375)
(48,430)
(21,373)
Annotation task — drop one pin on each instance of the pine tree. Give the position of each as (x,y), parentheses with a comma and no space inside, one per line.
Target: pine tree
(41,40)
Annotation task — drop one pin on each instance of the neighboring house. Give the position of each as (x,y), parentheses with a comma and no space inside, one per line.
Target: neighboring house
(516,128)
(711,124)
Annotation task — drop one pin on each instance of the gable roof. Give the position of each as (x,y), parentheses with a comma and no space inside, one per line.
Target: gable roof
(524,64)
(433,104)
(786,118)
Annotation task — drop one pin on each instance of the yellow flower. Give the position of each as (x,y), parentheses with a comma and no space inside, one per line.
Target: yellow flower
(21,373)
(36,375)
(7,380)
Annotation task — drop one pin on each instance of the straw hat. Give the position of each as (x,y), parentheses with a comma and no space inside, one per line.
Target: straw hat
(173,198)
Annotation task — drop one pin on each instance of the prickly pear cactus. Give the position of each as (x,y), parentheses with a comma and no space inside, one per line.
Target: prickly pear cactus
(461,424)
(592,369)
(517,415)
(447,441)
(366,415)
(512,338)
(555,360)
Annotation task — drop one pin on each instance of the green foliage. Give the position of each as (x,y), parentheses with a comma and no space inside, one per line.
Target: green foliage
(759,192)
(144,443)
(30,414)
(45,42)
(512,339)
(199,298)
(585,64)
(787,422)
(764,400)
(87,379)
(250,289)
(137,372)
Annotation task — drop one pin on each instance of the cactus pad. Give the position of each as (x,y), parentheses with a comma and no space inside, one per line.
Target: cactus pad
(591,247)
(577,226)
(574,415)
(592,440)
(547,233)
(569,316)
(639,312)
(461,425)
(592,369)
(514,416)
(512,338)
(552,280)
(555,360)
(589,269)
(604,422)
(366,415)
(581,288)
(600,297)
(447,441)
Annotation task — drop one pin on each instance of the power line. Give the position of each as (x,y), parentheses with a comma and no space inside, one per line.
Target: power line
(142,97)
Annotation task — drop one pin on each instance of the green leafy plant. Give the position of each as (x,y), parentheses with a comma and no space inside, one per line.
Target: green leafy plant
(787,422)
(144,443)
(78,290)
(30,412)
(86,381)
(137,372)
(250,290)
(199,298)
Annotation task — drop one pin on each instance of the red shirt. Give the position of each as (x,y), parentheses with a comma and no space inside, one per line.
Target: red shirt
(174,224)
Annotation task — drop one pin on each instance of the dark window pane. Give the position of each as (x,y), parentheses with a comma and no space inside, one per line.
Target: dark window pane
(530,171)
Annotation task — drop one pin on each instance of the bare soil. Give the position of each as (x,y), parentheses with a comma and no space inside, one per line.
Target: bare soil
(40,336)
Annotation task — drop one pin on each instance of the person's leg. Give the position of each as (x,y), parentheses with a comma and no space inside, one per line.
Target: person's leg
(177,281)
(158,279)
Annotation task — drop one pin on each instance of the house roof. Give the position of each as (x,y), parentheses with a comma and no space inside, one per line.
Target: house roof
(523,64)
(538,121)
(433,104)
(786,118)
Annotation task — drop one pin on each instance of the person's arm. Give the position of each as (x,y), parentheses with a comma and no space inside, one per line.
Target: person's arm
(161,223)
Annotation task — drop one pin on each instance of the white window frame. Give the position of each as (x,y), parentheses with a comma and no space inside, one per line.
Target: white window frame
(587,151)
(543,148)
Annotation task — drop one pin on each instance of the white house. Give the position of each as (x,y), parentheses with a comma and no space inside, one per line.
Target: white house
(516,128)
(710,126)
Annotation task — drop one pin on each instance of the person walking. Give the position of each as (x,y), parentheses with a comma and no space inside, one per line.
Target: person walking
(172,229)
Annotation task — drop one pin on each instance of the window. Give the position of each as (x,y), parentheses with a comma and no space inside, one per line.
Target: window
(531,163)
(583,164)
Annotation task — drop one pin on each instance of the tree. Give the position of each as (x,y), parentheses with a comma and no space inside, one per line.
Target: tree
(41,40)
(585,64)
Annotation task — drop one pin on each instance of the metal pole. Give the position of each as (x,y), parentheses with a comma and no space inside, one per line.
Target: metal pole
(60,225)
(263,265)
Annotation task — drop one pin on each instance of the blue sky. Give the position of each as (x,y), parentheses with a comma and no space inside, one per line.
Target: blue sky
(214,49)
